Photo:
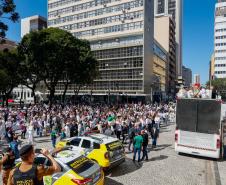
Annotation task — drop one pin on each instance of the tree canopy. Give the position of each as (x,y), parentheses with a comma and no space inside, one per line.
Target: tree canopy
(219,84)
(7,12)
(9,74)
(55,56)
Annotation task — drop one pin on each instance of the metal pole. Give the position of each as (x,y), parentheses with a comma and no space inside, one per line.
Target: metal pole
(108,92)
(151,95)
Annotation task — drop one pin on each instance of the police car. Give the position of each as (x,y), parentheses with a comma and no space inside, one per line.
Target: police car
(105,150)
(76,169)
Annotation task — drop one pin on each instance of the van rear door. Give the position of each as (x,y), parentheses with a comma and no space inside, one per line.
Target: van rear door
(198,126)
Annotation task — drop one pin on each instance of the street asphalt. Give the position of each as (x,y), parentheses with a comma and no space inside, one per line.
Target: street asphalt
(164,167)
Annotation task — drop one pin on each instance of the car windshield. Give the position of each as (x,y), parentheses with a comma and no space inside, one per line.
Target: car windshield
(98,140)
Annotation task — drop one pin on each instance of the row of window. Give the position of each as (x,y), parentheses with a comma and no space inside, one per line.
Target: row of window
(119,85)
(220,72)
(61,3)
(119,52)
(110,29)
(122,74)
(221,37)
(220,44)
(220,58)
(105,20)
(134,62)
(220,51)
(82,6)
(117,42)
(101,11)
(159,52)
(220,30)
(220,65)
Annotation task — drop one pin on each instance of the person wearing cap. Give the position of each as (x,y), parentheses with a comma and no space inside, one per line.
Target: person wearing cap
(27,172)
(7,163)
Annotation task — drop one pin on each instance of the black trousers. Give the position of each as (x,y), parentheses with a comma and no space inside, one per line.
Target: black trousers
(145,153)
(118,133)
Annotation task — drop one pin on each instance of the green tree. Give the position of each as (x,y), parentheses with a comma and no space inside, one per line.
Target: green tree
(220,85)
(9,75)
(7,12)
(82,70)
(30,68)
(55,56)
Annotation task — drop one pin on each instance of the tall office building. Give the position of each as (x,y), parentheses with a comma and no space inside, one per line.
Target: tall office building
(165,34)
(219,40)
(196,79)
(33,23)
(187,76)
(121,36)
(174,8)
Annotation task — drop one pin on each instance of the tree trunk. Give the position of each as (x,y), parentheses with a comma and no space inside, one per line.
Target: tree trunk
(65,90)
(3,101)
(7,103)
(33,95)
(76,92)
(51,96)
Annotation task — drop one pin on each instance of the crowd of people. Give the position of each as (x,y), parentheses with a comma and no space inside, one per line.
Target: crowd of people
(198,91)
(131,123)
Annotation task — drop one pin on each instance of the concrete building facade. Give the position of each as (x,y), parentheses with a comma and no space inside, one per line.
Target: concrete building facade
(32,23)
(196,79)
(211,68)
(121,34)
(220,40)
(187,76)
(175,9)
(165,34)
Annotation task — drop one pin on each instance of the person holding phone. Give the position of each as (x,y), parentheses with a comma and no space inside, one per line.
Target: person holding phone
(7,163)
(29,173)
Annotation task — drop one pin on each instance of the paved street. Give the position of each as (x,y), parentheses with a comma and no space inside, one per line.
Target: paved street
(164,166)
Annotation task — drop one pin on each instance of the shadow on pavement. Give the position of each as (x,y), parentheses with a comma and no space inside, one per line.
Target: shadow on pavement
(160,147)
(127,167)
(158,158)
(109,181)
(42,140)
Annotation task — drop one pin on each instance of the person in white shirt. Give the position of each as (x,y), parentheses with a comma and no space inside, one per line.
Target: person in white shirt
(208,92)
(31,134)
(182,93)
(202,92)
(67,130)
(190,93)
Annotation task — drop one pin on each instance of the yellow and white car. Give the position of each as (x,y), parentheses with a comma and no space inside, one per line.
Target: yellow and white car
(105,150)
(76,169)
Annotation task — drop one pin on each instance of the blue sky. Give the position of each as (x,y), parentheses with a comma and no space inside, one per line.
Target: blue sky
(198,27)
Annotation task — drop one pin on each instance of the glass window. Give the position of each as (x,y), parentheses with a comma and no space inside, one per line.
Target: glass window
(86,143)
(75,142)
